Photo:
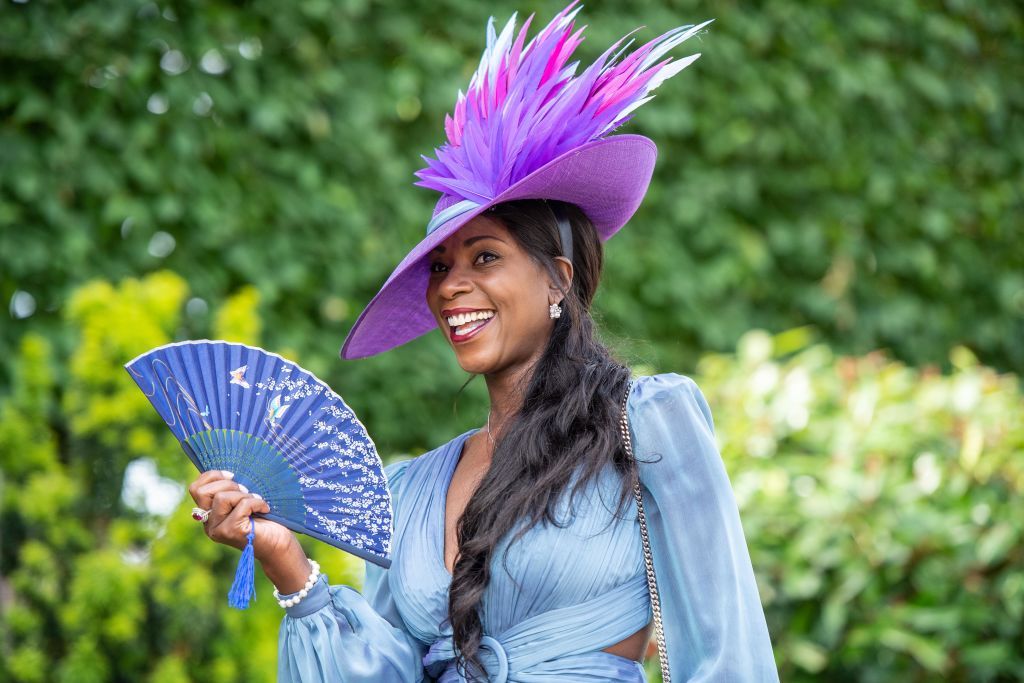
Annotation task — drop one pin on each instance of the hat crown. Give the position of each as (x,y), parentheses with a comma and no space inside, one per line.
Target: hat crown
(525,105)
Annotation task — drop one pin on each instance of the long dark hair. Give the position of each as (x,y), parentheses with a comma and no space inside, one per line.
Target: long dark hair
(568,422)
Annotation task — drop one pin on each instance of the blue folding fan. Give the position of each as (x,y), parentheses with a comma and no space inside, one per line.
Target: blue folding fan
(285,434)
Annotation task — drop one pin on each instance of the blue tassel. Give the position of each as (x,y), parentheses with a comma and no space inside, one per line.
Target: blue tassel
(244,586)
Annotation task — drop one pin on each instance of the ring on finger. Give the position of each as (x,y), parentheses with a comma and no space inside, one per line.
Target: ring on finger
(200,515)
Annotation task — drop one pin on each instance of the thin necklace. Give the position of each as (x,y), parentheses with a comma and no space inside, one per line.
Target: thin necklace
(489,429)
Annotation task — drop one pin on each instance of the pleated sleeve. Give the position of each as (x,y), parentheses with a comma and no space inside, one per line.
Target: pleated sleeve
(715,628)
(337,634)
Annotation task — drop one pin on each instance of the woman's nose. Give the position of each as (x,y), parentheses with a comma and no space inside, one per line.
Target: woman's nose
(456,281)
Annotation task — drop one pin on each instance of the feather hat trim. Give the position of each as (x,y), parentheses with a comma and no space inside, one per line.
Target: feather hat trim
(525,104)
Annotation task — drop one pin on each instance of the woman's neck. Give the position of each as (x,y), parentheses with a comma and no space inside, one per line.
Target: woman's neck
(506,390)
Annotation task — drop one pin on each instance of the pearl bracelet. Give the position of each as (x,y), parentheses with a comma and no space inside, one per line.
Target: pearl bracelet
(292,601)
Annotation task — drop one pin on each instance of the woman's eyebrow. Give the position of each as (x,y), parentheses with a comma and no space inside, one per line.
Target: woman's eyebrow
(469,241)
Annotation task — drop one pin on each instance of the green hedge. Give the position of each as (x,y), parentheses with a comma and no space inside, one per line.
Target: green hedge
(882,508)
(851,166)
(880,504)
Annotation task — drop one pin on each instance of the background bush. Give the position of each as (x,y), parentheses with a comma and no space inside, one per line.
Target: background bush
(854,166)
(879,502)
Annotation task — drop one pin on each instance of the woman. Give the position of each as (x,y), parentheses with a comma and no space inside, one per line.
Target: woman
(517,551)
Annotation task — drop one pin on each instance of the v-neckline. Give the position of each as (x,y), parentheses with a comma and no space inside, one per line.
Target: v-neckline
(453,463)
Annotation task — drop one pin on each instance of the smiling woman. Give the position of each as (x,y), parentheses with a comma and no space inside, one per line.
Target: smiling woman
(498,286)
(539,546)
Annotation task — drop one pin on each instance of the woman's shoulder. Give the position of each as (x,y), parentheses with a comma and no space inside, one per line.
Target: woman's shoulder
(414,479)
(410,469)
(662,383)
(668,395)
(395,472)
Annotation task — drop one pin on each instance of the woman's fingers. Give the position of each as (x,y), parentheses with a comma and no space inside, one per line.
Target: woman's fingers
(239,515)
(204,479)
(229,517)
(206,493)
(231,506)
(220,507)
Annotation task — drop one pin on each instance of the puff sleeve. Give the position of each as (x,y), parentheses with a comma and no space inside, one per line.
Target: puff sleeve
(714,623)
(339,635)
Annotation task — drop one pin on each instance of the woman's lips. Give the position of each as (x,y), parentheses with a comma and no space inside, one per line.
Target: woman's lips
(480,324)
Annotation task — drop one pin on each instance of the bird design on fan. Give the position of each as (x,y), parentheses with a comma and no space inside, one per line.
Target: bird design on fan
(238,377)
(284,433)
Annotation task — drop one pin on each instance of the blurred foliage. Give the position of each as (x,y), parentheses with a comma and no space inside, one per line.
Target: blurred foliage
(878,502)
(853,166)
(95,589)
(845,175)
(881,504)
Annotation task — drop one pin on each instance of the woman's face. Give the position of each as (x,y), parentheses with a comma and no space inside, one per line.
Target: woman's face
(489,298)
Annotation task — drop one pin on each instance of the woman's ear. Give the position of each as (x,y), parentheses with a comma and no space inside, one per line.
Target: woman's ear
(564,269)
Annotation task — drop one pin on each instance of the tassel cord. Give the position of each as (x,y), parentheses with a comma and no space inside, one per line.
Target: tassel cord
(244,586)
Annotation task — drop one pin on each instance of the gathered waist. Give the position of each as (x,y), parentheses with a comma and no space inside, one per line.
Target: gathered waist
(589,667)
(561,644)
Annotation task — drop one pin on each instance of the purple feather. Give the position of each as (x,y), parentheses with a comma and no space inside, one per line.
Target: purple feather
(526,106)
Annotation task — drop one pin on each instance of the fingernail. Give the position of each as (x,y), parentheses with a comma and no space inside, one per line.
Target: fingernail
(243,489)
(256,495)
(228,475)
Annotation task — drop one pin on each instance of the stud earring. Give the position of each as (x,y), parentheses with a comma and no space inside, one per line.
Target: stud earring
(554,310)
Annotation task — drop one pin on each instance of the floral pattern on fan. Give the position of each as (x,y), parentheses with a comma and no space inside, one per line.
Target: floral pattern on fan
(284,433)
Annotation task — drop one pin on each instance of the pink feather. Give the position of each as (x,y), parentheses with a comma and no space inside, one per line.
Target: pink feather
(525,105)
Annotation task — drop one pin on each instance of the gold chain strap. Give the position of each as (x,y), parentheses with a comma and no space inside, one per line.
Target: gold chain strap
(652,583)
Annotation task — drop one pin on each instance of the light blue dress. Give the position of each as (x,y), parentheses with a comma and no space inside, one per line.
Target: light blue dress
(567,592)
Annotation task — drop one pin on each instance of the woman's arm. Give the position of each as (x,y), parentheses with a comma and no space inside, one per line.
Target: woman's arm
(337,634)
(714,624)
(288,569)
(334,634)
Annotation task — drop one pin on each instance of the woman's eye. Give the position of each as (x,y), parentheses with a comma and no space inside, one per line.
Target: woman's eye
(438,267)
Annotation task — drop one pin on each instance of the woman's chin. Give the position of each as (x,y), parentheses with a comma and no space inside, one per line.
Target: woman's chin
(473,364)
(475,361)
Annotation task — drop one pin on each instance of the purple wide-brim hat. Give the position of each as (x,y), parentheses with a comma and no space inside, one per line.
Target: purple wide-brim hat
(606,178)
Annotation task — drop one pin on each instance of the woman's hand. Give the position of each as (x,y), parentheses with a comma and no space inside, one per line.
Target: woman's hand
(274,545)
(230,505)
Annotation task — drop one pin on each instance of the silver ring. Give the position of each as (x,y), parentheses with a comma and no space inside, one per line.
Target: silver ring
(201,515)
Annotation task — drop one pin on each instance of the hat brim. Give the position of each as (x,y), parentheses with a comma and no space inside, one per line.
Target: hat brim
(605,178)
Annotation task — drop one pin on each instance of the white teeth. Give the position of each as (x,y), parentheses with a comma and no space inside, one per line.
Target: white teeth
(466,329)
(463,318)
